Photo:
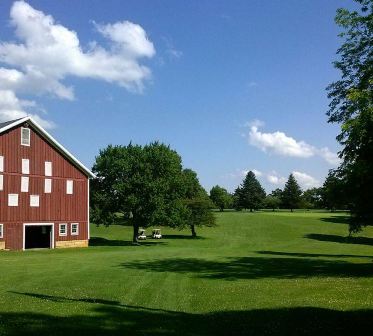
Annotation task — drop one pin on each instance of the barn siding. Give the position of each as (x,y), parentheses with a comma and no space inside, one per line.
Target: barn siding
(56,207)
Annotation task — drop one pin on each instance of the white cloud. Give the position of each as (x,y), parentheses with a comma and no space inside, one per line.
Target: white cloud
(47,52)
(329,156)
(279,143)
(282,144)
(13,108)
(306,181)
(275,179)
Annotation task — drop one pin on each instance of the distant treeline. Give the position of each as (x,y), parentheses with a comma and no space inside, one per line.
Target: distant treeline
(251,195)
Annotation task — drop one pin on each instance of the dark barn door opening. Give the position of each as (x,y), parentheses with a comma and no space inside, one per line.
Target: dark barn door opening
(38,236)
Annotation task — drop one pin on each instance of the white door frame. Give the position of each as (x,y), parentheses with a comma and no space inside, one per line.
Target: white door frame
(38,224)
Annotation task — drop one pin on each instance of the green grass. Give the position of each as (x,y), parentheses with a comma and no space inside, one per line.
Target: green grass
(254,274)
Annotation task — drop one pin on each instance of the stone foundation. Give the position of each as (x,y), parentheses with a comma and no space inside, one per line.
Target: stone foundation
(2,245)
(71,243)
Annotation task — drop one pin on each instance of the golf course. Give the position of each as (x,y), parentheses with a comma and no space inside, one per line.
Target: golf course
(261,273)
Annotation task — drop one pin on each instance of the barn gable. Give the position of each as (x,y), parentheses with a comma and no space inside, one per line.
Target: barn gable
(6,126)
(44,190)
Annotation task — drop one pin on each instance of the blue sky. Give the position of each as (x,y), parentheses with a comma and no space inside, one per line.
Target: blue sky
(231,85)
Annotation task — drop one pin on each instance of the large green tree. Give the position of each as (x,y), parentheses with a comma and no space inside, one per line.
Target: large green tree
(250,194)
(221,197)
(291,195)
(352,106)
(146,184)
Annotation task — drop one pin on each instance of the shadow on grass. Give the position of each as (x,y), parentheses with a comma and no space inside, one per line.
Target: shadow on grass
(256,267)
(113,318)
(336,219)
(99,241)
(312,255)
(340,239)
(166,236)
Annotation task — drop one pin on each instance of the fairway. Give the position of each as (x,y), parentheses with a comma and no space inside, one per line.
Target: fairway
(253,274)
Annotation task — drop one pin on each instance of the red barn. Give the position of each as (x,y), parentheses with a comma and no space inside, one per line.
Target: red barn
(44,190)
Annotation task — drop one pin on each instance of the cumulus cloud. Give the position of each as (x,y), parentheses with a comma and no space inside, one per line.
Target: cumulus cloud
(273,178)
(282,144)
(306,181)
(46,52)
(13,108)
(329,156)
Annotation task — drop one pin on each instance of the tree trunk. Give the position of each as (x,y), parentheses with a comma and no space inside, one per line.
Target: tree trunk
(291,210)
(135,233)
(194,233)
(251,210)
(221,209)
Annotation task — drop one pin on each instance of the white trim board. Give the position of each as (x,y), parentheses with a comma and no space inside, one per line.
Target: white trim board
(52,140)
(37,224)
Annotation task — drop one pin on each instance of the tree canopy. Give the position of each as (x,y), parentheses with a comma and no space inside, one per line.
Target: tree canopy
(352,106)
(221,197)
(146,184)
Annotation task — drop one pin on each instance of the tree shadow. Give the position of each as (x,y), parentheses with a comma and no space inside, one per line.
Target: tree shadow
(99,241)
(340,239)
(113,318)
(312,255)
(336,219)
(175,236)
(255,267)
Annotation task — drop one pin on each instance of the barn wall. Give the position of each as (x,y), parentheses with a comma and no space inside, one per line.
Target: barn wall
(55,207)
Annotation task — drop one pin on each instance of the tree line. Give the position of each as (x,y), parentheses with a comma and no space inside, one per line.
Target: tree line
(250,195)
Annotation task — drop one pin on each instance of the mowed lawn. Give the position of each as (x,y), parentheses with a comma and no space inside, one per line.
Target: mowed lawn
(254,274)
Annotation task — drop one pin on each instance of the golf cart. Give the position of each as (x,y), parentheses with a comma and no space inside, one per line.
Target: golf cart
(157,234)
(142,235)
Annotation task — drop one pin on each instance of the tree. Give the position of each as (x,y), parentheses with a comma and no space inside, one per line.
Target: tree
(250,194)
(145,184)
(291,196)
(352,106)
(334,192)
(221,198)
(272,202)
(313,198)
(197,202)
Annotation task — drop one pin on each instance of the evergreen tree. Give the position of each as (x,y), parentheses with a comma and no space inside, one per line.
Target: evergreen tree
(291,196)
(250,194)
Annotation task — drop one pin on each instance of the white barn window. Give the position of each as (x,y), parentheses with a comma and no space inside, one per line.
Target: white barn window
(24,183)
(62,229)
(25,136)
(1,230)
(1,182)
(34,201)
(25,166)
(47,186)
(48,168)
(69,187)
(74,229)
(1,163)
(13,200)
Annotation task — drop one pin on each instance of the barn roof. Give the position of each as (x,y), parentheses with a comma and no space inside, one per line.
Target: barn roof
(13,123)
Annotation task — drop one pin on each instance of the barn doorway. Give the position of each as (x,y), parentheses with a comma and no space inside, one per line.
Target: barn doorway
(38,236)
